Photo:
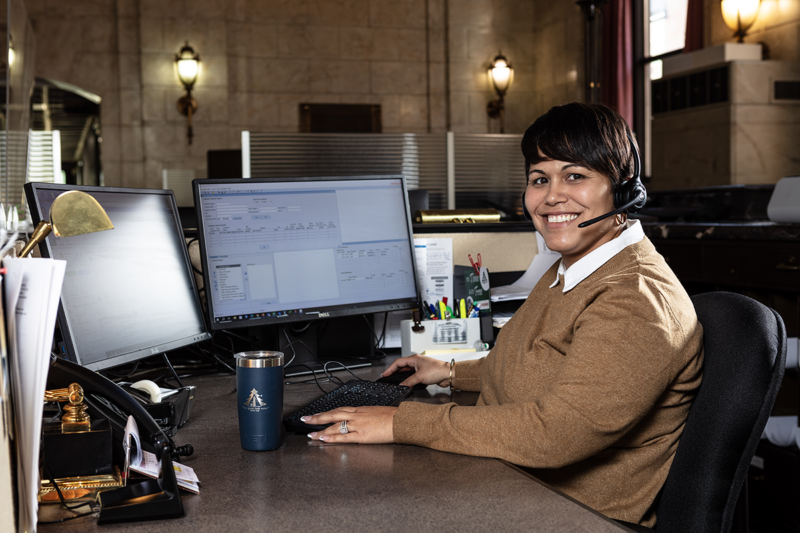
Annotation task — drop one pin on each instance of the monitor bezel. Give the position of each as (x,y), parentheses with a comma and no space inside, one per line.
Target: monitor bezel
(325,312)
(70,348)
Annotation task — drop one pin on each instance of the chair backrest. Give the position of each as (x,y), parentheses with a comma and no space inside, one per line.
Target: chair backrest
(745,355)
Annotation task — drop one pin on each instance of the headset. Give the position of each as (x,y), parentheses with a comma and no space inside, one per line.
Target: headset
(631,195)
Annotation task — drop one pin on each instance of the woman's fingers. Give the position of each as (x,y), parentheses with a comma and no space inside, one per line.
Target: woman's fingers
(403,362)
(328,417)
(364,424)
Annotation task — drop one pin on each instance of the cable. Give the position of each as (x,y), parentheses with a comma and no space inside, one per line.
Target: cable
(313,373)
(169,365)
(123,375)
(300,330)
(343,368)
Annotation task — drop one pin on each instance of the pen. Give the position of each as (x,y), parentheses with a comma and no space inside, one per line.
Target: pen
(474,266)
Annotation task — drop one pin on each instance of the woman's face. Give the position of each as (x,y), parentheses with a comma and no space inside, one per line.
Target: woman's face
(559,196)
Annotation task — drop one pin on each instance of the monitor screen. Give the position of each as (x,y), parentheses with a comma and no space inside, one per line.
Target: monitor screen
(298,249)
(129,292)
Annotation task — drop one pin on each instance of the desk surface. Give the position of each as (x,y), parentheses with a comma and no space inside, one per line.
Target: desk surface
(305,485)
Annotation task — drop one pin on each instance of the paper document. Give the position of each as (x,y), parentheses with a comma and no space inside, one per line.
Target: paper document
(434,268)
(520,289)
(32,292)
(146,463)
(391,335)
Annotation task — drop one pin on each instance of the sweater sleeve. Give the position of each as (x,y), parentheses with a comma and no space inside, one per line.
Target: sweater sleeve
(467,375)
(627,348)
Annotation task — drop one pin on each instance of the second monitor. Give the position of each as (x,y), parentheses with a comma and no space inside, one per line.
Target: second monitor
(281,251)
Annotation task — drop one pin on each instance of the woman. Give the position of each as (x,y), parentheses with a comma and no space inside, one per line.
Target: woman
(590,383)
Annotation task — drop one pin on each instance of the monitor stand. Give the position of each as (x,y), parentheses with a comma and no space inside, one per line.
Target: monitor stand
(346,340)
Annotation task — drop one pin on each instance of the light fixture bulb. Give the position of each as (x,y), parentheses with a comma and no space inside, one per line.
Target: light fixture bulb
(188,66)
(187,71)
(739,15)
(11,57)
(501,74)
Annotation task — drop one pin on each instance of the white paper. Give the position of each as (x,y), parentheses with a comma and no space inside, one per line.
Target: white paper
(33,289)
(792,349)
(782,431)
(391,337)
(184,475)
(434,268)
(520,289)
(132,444)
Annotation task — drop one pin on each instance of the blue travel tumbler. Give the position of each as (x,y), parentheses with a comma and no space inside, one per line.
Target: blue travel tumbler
(259,394)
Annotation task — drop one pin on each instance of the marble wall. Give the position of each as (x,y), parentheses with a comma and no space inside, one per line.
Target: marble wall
(261,58)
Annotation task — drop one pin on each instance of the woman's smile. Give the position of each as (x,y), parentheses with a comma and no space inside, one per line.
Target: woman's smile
(561,195)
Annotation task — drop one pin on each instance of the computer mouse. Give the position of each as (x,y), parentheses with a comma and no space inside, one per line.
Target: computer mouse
(398,377)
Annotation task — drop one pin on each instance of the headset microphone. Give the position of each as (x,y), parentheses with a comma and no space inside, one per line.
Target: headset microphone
(618,210)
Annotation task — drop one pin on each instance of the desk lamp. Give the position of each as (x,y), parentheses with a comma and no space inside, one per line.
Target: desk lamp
(72,213)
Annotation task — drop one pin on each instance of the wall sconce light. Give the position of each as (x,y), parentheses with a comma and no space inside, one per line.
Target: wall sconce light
(11,54)
(187,63)
(739,15)
(501,76)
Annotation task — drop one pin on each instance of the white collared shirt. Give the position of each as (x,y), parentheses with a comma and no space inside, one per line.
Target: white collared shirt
(585,266)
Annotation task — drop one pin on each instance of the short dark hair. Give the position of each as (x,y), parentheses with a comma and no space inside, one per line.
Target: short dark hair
(592,135)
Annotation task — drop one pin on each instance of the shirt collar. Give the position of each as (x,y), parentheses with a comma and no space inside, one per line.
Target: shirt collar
(585,266)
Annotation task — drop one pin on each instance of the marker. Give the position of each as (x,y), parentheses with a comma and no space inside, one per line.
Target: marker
(462,309)
(442,311)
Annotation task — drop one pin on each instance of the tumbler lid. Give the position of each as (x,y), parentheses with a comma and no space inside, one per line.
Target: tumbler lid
(259,359)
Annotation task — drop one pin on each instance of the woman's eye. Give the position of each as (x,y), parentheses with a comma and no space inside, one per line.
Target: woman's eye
(538,181)
(575,177)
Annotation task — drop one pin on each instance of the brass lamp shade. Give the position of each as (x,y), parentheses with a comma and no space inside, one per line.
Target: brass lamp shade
(71,213)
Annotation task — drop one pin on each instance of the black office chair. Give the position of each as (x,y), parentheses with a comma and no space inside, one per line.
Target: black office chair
(745,355)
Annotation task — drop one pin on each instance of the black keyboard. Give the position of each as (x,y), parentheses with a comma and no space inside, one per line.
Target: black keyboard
(354,393)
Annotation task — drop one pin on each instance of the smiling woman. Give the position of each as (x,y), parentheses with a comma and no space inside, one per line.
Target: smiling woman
(590,383)
(577,156)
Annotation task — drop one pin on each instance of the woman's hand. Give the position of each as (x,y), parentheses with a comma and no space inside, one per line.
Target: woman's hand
(365,425)
(428,371)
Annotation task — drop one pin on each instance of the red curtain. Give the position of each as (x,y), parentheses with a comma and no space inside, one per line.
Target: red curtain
(694,26)
(618,53)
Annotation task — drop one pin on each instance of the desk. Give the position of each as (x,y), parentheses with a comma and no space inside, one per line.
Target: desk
(305,485)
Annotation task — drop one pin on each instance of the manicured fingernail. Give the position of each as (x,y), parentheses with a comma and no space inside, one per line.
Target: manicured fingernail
(324,437)
(312,435)
(305,418)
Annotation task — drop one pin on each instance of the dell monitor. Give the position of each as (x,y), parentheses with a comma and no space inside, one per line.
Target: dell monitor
(128,293)
(283,251)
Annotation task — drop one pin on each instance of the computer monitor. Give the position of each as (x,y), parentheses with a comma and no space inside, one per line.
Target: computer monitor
(279,251)
(128,293)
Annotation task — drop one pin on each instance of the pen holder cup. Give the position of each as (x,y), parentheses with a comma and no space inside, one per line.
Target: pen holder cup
(453,334)
(259,397)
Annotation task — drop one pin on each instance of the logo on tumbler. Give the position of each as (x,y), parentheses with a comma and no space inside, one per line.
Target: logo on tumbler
(254,402)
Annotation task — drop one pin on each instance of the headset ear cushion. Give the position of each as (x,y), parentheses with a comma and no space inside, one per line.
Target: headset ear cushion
(525,212)
(629,191)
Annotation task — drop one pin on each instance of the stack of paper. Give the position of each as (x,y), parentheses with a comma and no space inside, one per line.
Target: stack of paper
(32,290)
(520,289)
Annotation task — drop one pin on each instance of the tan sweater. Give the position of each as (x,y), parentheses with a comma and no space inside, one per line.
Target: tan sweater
(590,388)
